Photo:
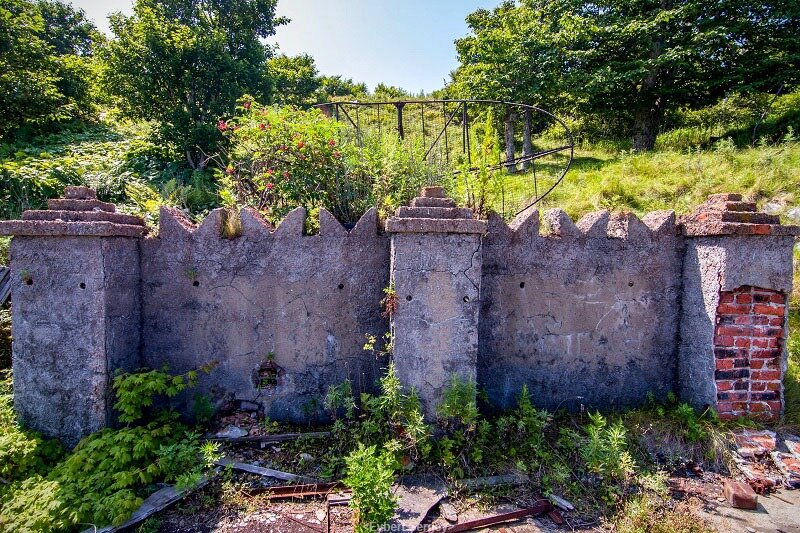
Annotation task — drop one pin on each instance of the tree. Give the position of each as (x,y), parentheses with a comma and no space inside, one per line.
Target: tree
(295,80)
(68,30)
(40,84)
(390,92)
(183,63)
(333,87)
(633,59)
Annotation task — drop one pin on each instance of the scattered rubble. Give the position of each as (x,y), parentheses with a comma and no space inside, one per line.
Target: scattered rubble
(751,444)
(789,465)
(416,497)
(740,495)
(232,432)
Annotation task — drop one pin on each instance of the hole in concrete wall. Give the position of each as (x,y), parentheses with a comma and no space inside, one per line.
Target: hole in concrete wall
(409,298)
(82,285)
(268,374)
(195,283)
(630,284)
(341,286)
(466,299)
(28,281)
(521,284)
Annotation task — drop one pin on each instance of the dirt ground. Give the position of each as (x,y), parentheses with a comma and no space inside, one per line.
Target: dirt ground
(213,511)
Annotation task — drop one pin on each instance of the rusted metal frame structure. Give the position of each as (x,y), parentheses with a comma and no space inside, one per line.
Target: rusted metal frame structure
(336,109)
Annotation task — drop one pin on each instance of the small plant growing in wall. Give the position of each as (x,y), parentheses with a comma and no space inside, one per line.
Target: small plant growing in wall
(369,476)
(25,276)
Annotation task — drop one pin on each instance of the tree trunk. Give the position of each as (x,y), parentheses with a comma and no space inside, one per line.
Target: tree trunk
(511,164)
(527,145)
(646,120)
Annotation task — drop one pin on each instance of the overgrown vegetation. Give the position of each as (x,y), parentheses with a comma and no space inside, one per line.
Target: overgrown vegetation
(108,474)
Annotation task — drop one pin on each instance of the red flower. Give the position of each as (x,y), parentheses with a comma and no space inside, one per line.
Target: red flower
(222,125)
(283,148)
(285,173)
(337,154)
(262,126)
(229,171)
(300,144)
(247,104)
(331,143)
(270,186)
(270,171)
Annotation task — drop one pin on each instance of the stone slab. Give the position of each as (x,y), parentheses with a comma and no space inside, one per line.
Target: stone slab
(432,202)
(416,497)
(68,204)
(83,216)
(79,192)
(435,225)
(434,212)
(50,228)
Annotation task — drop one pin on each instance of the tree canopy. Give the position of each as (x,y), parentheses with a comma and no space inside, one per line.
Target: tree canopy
(184,63)
(631,59)
(43,78)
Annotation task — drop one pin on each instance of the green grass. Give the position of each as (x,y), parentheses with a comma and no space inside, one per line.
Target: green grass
(643,182)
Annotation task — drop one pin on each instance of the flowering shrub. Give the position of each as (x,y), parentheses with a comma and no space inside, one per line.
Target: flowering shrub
(283,157)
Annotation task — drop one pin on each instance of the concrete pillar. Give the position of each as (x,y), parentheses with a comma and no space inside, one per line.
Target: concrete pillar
(436,274)
(76,311)
(737,278)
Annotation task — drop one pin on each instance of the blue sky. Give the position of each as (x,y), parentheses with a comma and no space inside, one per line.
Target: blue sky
(408,43)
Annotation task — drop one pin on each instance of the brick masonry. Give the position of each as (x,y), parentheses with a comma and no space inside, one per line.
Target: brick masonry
(748,349)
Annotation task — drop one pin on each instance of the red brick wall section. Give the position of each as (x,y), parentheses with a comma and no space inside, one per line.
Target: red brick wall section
(748,347)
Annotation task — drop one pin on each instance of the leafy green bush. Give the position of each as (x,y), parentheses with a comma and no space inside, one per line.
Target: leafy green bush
(459,403)
(105,478)
(369,476)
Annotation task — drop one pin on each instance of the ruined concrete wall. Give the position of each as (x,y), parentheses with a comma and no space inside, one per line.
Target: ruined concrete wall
(436,275)
(599,313)
(75,322)
(588,310)
(309,300)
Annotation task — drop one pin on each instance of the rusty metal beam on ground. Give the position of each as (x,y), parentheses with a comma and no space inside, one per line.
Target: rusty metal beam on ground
(538,508)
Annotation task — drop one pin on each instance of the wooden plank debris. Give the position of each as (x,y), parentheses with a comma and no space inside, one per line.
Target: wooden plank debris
(261,471)
(297,491)
(283,437)
(156,502)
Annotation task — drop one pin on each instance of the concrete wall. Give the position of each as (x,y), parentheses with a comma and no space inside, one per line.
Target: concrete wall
(601,312)
(582,314)
(309,300)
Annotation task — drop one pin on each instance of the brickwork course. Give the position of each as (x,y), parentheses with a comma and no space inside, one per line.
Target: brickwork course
(601,313)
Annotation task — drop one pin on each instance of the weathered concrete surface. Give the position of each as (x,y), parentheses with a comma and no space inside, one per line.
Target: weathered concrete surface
(711,265)
(436,275)
(309,300)
(588,310)
(76,320)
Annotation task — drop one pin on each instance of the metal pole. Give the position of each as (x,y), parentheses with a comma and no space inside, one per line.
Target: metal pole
(399,106)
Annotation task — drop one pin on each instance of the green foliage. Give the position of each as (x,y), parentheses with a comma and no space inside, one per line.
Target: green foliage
(22,453)
(105,478)
(605,449)
(135,391)
(42,82)
(184,63)
(599,57)
(459,402)
(369,476)
(295,80)
(5,336)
